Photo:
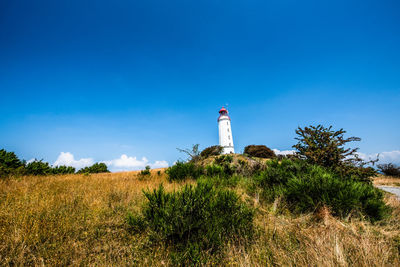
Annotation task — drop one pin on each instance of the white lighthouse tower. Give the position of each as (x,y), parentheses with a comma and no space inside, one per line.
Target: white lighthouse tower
(225,132)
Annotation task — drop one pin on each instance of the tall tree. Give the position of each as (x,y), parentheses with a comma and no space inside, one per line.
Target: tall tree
(325,147)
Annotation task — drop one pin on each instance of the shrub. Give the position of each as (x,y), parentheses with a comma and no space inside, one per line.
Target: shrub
(10,164)
(214,170)
(63,170)
(146,171)
(95,168)
(211,151)
(259,151)
(357,173)
(224,159)
(323,188)
(38,167)
(389,169)
(276,175)
(308,187)
(181,171)
(195,220)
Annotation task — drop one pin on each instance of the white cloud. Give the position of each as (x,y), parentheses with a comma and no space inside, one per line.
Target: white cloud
(66,158)
(384,157)
(159,164)
(123,163)
(126,163)
(283,152)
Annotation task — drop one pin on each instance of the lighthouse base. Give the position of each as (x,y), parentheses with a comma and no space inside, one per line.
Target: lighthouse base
(228,150)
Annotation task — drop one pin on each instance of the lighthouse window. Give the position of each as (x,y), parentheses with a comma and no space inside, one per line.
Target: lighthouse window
(228,130)
(229,137)
(230,144)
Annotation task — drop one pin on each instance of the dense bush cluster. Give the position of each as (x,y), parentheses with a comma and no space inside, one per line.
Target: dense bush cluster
(222,166)
(63,170)
(11,165)
(259,151)
(389,169)
(194,220)
(38,167)
(95,168)
(343,197)
(180,171)
(308,187)
(211,151)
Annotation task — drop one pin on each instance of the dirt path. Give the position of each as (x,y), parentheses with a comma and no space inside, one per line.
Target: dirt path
(391,189)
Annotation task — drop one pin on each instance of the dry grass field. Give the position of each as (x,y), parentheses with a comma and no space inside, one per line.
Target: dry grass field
(81,220)
(386,181)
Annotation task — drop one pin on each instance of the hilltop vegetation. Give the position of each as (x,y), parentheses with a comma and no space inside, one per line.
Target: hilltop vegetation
(12,166)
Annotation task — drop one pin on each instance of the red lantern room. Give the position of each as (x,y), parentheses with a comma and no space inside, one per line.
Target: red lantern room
(223,112)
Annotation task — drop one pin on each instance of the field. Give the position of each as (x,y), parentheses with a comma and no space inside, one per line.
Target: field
(386,181)
(81,220)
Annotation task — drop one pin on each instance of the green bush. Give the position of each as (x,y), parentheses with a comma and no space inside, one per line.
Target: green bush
(95,168)
(146,171)
(211,151)
(357,173)
(389,169)
(224,159)
(259,151)
(279,172)
(308,187)
(323,188)
(38,167)
(214,170)
(273,179)
(10,164)
(195,220)
(180,171)
(63,170)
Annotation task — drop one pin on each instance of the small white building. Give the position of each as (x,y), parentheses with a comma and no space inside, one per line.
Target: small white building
(225,132)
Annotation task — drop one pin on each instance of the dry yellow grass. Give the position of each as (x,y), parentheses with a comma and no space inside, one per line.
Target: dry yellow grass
(386,180)
(80,220)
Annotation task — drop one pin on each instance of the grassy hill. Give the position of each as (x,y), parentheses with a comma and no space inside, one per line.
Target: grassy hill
(81,220)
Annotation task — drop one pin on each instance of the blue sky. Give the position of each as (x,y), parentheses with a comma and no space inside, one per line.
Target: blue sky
(101,79)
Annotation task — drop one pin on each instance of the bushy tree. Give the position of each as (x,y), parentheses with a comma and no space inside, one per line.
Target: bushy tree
(259,151)
(325,147)
(211,151)
(63,170)
(389,169)
(10,164)
(38,167)
(95,168)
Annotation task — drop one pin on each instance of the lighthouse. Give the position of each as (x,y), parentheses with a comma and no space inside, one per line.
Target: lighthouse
(225,132)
